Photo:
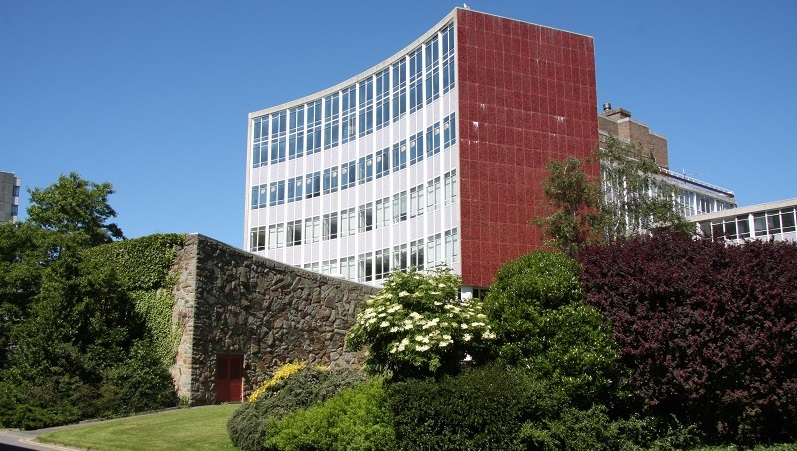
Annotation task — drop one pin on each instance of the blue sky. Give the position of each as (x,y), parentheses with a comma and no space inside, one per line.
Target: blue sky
(153,95)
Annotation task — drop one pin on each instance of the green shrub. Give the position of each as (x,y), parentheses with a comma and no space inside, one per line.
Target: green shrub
(355,419)
(576,430)
(248,425)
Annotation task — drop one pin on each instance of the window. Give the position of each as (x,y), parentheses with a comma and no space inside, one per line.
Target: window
(260,141)
(381,263)
(364,267)
(329,267)
(383,162)
(416,148)
(382,213)
(276,193)
(452,246)
(366,107)
(416,201)
(312,267)
(399,89)
(400,155)
(432,56)
(787,220)
(760,224)
(382,99)
(295,188)
(416,79)
(400,207)
(365,169)
(348,174)
(449,130)
(433,139)
(294,237)
(313,127)
(450,187)
(347,268)
(416,254)
(348,224)
(433,194)
(366,220)
(330,180)
(276,236)
(743,226)
(257,239)
(400,257)
(259,154)
(349,115)
(312,185)
(330,231)
(296,132)
(434,251)
(331,120)
(312,230)
(447,38)
(278,126)
(259,195)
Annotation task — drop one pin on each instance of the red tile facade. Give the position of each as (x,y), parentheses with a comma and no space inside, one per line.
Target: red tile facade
(526,95)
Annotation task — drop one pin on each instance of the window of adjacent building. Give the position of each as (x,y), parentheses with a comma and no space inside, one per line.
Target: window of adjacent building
(447,37)
(382,213)
(296,132)
(400,207)
(349,114)
(294,237)
(399,83)
(312,185)
(760,223)
(416,148)
(381,263)
(434,250)
(382,99)
(400,257)
(433,139)
(449,130)
(278,137)
(432,62)
(295,188)
(450,187)
(365,169)
(416,79)
(330,231)
(329,267)
(416,200)
(417,254)
(365,267)
(365,217)
(312,229)
(314,115)
(400,155)
(348,174)
(257,239)
(259,196)
(743,226)
(276,236)
(331,120)
(347,268)
(315,267)
(452,246)
(348,222)
(787,220)
(383,162)
(276,193)
(366,107)
(330,180)
(433,194)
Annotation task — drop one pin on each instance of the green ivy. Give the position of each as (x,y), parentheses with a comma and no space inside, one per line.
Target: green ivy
(143,266)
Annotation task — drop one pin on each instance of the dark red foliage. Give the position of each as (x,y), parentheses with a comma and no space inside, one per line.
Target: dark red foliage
(709,330)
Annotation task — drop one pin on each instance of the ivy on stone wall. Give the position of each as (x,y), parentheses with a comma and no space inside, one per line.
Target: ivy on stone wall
(143,266)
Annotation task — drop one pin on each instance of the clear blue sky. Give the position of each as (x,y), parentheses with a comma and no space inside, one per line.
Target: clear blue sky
(153,95)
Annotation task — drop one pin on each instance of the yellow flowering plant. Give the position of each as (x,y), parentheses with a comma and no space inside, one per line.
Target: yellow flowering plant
(283,372)
(417,326)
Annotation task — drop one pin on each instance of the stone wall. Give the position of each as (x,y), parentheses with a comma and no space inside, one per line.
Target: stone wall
(232,302)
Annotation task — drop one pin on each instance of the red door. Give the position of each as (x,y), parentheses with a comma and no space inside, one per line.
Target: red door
(229,378)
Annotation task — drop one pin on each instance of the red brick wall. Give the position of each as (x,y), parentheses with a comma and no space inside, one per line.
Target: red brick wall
(526,95)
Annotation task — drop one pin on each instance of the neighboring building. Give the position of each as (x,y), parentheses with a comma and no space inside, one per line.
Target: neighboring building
(9,196)
(769,221)
(695,196)
(434,156)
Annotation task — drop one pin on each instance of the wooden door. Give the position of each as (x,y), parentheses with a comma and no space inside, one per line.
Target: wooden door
(229,378)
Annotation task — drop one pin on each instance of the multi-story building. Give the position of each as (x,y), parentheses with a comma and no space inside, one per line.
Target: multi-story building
(769,221)
(695,196)
(434,156)
(9,196)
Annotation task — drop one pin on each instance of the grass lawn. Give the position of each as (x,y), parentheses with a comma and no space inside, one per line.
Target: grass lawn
(200,428)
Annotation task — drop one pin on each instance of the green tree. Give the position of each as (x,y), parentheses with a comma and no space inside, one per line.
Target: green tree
(75,207)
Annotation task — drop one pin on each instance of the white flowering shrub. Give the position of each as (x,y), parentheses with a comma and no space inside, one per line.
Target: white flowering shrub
(416,326)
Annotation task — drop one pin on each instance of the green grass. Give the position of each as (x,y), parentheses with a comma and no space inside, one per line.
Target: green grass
(197,428)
